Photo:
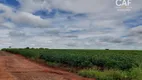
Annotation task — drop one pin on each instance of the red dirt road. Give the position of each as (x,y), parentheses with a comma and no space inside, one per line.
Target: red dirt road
(14,67)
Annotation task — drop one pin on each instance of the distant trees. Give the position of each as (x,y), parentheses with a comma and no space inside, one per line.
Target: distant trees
(35,48)
(27,48)
(9,46)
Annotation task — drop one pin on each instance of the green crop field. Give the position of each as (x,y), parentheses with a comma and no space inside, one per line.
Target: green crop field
(99,64)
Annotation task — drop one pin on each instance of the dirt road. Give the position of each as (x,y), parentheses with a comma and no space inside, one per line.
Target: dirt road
(15,67)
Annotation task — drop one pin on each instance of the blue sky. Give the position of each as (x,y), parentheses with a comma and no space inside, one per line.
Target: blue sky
(89,24)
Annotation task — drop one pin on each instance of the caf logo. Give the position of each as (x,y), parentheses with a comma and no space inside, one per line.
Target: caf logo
(123,2)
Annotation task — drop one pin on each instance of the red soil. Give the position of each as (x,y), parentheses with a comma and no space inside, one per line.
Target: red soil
(15,67)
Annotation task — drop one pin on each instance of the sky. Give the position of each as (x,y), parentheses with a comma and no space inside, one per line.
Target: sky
(75,24)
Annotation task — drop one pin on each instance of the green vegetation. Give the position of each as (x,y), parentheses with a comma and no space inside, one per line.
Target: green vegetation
(105,75)
(132,74)
(53,64)
(111,64)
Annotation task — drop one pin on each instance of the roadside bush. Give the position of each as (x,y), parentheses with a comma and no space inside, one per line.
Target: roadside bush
(132,74)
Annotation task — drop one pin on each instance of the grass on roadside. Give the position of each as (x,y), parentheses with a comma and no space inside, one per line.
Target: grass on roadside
(133,74)
(53,64)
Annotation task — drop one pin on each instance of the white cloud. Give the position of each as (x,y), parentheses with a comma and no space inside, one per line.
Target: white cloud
(34,5)
(82,6)
(28,18)
(95,7)
(5,40)
(8,25)
(102,27)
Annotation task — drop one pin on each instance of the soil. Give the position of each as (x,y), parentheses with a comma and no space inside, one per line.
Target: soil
(16,67)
